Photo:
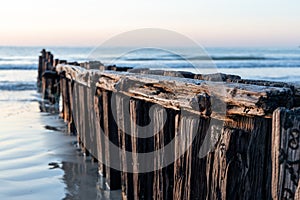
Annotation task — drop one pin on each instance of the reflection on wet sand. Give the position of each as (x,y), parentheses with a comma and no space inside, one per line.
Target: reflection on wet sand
(82,182)
(81,177)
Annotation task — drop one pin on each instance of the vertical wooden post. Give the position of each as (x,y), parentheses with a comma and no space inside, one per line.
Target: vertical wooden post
(139,112)
(40,71)
(240,164)
(77,112)
(123,121)
(92,122)
(99,132)
(65,98)
(189,169)
(285,153)
(71,124)
(113,176)
(50,58)
(82,115)
(163,177)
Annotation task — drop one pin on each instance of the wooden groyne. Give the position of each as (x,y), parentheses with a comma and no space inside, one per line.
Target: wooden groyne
(253,130)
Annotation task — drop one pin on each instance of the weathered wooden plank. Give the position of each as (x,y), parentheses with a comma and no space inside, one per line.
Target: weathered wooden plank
(235,106)
(86,117)
(66,100)
(113,176)
(64,97)
(100,132)
(139,113)
(185,74)
(240,165)
(295,87)
(89,127)
(164,131)
(124,123)
(175,93)
(76,111)
(161,180)
(285,153)
(70,118)
(40,71)
(50,86)
(44,90)
(81,115)
(189,169)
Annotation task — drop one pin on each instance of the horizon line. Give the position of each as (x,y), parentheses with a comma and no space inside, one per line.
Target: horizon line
(182,46)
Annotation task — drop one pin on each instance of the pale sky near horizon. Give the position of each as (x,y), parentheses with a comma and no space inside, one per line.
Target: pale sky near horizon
(209,22)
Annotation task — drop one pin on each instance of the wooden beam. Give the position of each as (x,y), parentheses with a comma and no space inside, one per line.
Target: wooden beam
(181,93)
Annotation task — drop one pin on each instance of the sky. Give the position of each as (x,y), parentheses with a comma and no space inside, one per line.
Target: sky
(209,22)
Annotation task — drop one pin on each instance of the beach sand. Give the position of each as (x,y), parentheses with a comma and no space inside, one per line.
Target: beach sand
(38,161)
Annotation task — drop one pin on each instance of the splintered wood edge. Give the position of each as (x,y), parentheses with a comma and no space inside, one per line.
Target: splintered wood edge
(177,93)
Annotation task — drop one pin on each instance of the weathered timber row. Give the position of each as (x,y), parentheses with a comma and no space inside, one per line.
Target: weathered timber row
(252,148)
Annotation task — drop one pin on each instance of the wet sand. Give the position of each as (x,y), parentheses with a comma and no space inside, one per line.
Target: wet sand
(38,160)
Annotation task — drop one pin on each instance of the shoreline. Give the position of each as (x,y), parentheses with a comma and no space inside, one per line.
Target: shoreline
(37,160)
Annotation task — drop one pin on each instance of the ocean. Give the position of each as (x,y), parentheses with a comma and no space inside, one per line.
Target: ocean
(38,162)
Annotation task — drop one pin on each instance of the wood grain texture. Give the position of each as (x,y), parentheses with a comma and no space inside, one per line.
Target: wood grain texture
(100,155)
(175,93)
(240,164)
(189,169)
(113,175)
(285,153)
(124,128)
